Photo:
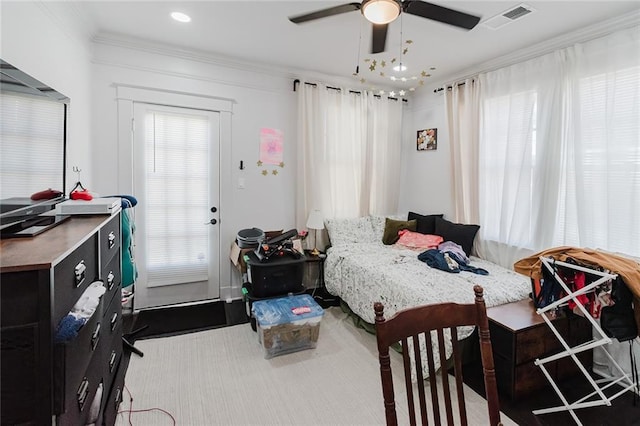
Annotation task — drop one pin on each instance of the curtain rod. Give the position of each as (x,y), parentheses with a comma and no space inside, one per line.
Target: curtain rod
(448,87)
(296,82)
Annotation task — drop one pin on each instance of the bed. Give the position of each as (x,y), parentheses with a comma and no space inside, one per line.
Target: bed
(361,270)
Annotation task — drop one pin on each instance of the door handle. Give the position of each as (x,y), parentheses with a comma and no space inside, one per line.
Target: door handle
(213,209)
(211,222)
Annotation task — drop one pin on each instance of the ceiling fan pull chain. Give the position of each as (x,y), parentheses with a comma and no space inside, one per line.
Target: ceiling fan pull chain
(359,48)
(400,57)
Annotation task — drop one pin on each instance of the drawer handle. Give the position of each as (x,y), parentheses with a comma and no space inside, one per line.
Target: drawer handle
(118,398)
(114,321)
(83,392)
(95,337)
(111,280)
(80,272)
(112,361)
(112,239)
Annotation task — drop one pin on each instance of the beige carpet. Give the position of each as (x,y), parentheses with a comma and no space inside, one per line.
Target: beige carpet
(220,377)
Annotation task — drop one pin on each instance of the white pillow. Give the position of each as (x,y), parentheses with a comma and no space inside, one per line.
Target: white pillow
(348,231)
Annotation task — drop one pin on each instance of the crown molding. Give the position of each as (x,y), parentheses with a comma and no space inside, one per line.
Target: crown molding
(67,17)
(273,71)
(188,54)
(581,35)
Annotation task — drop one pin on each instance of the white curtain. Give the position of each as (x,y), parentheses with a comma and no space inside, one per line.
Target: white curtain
(558,152)
(462,104)
(348,153)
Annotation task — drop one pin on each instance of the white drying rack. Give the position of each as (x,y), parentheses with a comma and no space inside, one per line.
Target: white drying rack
(597,397)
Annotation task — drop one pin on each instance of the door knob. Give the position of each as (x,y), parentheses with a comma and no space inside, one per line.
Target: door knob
(213,209)
(213,221)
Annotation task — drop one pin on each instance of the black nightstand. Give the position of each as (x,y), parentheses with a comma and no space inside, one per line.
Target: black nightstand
(314,272)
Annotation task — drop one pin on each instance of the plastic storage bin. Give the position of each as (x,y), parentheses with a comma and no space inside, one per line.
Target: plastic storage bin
(287,324)
(275,276)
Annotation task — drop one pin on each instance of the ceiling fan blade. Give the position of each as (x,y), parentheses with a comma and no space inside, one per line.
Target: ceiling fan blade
(378,37)
(336,10)
(441,14)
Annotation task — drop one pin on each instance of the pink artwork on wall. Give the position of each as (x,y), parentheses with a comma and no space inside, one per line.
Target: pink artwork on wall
(271,146)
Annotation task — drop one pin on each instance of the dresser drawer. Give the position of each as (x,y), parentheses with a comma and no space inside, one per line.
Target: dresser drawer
(115,396)
(113,357)
(112,319)
(112,278)
(523,379)
(72,358)
(502,341)
(529,377)
(73,275)
(538,341)
(80,394)
(110,236)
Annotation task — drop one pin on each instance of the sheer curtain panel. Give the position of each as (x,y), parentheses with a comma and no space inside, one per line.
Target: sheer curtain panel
(462,104)
(559,150)
(349,153)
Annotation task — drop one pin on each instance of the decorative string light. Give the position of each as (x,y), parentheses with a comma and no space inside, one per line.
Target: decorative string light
(393,68)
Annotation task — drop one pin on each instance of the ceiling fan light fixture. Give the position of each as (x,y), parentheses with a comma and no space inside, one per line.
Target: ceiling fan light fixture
(380,11)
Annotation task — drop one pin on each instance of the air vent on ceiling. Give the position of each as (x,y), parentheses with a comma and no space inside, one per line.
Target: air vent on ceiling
(507,16)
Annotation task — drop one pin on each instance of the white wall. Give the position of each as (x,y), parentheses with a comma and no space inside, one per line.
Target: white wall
(58,54)
(43,40)
(261,100)
(426,175)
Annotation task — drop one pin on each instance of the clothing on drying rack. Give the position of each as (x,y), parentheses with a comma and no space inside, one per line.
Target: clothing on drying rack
(628,270)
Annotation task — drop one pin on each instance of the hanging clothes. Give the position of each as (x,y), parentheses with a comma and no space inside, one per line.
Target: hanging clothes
(129,270)
(627,269)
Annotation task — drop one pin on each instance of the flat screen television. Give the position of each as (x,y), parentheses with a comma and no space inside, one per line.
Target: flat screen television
(33,141)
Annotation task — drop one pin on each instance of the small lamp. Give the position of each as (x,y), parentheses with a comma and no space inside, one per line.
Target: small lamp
(315,222)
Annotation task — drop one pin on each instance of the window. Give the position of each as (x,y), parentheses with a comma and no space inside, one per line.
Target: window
(32,134)
(568,172)
(176,202)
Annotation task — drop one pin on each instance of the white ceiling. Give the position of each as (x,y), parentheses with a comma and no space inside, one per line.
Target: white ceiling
(259,31)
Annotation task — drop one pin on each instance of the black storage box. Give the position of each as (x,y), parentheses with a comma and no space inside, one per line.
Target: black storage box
(276,276)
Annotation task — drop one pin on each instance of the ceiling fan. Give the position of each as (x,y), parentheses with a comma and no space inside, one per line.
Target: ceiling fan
(381,12)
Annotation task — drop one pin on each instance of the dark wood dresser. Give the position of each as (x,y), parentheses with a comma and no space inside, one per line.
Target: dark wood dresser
(519,336)
(43,277)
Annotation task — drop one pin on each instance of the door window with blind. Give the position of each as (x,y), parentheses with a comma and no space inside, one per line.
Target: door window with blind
(177,189)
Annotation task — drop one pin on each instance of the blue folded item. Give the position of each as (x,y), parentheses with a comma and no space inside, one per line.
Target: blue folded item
(68,328)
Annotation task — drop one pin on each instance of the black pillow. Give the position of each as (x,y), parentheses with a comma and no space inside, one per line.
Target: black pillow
(457,232)
(425,224)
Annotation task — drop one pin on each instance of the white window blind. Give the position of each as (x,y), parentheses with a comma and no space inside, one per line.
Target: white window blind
(605,175)
(177,198)
(32,151)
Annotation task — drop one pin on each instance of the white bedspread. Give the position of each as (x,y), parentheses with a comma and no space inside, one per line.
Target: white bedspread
(364,273)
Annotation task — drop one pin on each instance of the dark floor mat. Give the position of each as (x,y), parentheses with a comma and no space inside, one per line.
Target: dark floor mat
(174,320)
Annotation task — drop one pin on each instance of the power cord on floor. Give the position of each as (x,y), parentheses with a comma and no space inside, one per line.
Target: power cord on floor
(146,410)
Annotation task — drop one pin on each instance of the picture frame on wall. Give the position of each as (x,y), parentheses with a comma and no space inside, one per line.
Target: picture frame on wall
(427,140)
